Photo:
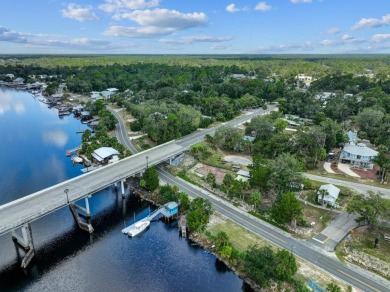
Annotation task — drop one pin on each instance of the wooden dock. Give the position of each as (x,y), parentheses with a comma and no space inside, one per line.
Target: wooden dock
(183,226)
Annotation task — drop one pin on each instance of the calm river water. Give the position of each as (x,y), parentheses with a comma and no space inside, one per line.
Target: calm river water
(32,157)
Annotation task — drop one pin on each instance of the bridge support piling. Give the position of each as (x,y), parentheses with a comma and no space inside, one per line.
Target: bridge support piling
(87,211)
(123,188)
(26,242)
(83,226)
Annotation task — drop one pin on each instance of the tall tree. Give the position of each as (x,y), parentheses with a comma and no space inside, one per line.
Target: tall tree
(151,179)
(287,208)
(285,172)
(259,172)
(369,208)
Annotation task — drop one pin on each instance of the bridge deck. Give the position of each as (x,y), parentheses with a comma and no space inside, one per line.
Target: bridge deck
(41,203)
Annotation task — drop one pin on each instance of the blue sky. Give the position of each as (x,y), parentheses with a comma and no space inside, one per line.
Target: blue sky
(194,26)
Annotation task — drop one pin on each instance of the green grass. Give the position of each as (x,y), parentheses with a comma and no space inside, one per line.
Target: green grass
(239,237)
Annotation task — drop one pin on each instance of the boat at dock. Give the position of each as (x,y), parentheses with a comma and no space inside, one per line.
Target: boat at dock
(77,159)
(138,227)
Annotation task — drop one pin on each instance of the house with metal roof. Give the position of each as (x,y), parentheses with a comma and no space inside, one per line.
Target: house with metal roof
(104,154)
(358,155)
(330,192)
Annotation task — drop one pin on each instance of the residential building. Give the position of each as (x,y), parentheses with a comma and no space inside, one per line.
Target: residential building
(330,192)
(358,155)
(105,155)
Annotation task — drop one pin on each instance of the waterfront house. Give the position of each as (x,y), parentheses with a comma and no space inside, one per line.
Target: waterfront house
(331,193)
(104,155)
(170,209)
(19,80)
(85,116)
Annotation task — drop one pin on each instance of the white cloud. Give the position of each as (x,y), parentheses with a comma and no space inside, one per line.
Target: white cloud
(332,30)
(329,43)
(164,18)
(206,38)
(232,8)
(56,137)
(262,6)
(347,37)
(372,22)
(218,47)
(138,32)
(112,6)
(6,35)
(196,39)
(300,1)
(74,11)
(382,37)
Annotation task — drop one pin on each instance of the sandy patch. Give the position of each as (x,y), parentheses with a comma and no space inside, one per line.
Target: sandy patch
(235,159)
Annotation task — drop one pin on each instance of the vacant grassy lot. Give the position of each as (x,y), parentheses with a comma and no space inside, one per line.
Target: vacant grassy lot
(241,238)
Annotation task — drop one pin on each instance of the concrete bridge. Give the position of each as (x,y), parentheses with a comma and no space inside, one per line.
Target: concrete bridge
(19,213)
(36,205)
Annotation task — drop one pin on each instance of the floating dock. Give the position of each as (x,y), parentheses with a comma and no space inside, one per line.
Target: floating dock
(168,210)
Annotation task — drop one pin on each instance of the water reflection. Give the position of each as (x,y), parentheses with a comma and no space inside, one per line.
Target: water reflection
(57,138)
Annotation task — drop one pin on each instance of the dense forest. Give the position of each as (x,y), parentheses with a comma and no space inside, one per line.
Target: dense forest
(172,96)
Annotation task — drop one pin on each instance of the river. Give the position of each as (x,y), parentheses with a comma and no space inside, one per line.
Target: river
(32,157)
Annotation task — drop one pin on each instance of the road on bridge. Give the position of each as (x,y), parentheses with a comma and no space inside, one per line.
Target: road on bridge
(39,204)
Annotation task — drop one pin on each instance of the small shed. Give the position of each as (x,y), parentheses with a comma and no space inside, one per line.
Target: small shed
(104,154)
(332,193)
(244,173)
(170,209)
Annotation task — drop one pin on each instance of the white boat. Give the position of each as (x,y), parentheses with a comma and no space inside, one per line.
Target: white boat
(77,159)
(138,228)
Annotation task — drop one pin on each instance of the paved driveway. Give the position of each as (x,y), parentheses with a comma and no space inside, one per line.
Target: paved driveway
(336,231)
(345,168)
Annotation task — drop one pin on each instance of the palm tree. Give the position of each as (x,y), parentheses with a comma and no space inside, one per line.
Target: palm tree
(322,193)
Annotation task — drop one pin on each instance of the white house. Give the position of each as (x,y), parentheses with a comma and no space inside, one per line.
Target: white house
(357,154)
(104,155)
(331,195)
(113,90)
(304,79)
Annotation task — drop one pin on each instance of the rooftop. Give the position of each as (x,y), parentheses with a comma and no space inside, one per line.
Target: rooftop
(333,192)
(104,153)
(360,149)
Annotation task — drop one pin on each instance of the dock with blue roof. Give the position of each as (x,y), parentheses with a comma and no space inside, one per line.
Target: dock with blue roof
(166,211)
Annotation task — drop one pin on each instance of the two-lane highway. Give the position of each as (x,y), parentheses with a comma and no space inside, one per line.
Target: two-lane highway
(278,237)
(299,247)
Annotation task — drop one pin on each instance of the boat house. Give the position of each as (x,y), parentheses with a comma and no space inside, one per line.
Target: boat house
(104,155)
(170,209)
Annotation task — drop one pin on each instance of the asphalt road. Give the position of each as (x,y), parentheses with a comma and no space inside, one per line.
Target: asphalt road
(361,188)
(298,247)
(121,132)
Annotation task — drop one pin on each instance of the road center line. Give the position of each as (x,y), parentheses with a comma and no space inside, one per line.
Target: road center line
(356,279)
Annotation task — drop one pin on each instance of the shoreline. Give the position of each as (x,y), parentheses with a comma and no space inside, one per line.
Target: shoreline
(205,243)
